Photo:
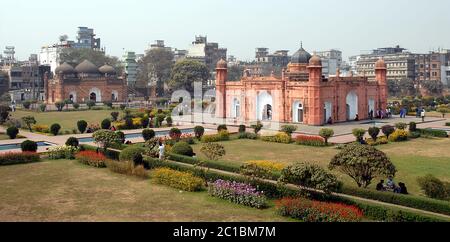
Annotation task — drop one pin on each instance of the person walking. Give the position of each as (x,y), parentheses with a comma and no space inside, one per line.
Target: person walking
(161,150)
(422,114)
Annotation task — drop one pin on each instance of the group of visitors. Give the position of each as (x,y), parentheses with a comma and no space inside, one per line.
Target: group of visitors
(420,113)
(391,186)
(380,114)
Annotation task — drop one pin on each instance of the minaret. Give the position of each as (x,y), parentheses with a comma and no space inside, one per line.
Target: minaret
(314,106)
(221,78)
(380,76)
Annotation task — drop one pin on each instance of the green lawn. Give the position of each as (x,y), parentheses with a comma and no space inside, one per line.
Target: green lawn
(4,136)
(413,158)
(67,120)
(65,190)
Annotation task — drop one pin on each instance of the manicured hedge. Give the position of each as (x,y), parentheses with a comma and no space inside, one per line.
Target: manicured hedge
(434,133)
(220,165)
(19,158)
(375,212)
(422,203)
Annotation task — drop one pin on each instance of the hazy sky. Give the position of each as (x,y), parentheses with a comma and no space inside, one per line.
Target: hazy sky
(239,25)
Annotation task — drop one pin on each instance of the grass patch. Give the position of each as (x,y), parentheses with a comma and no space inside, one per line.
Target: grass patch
(64,190)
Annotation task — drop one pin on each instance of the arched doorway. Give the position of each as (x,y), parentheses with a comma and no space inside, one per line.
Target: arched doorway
(297,112)
(93,97)
(327,111)
(236,108)
(73,97)
(264,110)
(114,96)
(352,105)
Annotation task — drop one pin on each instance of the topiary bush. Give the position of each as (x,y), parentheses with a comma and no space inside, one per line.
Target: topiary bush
(12,132)
(134,154)
(199,131)
(358,133)
(175,134)
(26,104)
(288,129)
(76,106)
(29,146)
(387,130)
(169,121)
(222,127)
(72,141)
(11,158)
(401,126)
(82,125)
(54,129)
(121,136)
(106,124)
(326,133)
(412,126)
(374,132)
(183,148)
(90,104)
(148,134)
(433,187)
(242,128)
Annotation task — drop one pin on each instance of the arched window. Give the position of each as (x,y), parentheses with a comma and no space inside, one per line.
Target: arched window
(236,108)
(298,112)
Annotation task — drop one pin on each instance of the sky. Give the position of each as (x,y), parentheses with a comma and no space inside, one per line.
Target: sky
(241,26)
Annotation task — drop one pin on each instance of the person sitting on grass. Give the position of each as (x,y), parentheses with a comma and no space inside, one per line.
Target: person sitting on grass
(390,184)
(401,188)
(380,186)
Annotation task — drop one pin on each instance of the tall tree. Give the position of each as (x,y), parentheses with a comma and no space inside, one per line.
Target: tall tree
(433,87)
(393,88)
(235,72)
(157,63)
(407,86)
(76,56)
(186,72)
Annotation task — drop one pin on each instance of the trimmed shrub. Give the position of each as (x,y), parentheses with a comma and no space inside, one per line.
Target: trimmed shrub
(62,152)
(12,132)
(175,134)
(148,134)
(380,141)
(43,107)
(316,211)
(283,138)
(109,104)
(122,106)
(12,158)
(114,116)
(401,126)
(199,131)
(262,169)
(222,127)
(222,136)
(412,127)
(257,127)
(387,130)
(29,146)
(242,128)
(374,132)
(82,125)
(213,151)
(90,104)
(434,133)
(127,168)
(433,187)
(26,104)
(76,106)
(326,133)
(177,179)
(134,154)
(447,124)
(106,123)
(310,140)
(247,135)
(91,158)
(169,121)
(183,148)
(60,106)
(358,133)
(399,135)
(239,193)
(288,129)
(55,128)
(72,141)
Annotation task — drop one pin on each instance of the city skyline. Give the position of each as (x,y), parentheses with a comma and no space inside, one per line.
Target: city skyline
(320,26)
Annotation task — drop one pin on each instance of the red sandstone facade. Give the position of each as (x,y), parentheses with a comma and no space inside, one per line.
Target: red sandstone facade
(301,95)
(85,82)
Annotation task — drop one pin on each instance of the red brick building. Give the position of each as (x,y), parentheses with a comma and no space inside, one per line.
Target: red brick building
(300,95)
(85,82)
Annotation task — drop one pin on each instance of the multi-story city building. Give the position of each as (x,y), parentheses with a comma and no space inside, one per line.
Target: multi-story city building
(331,61)
(129,60)
(399,66)
(50,55)
(206,52)
(279,58)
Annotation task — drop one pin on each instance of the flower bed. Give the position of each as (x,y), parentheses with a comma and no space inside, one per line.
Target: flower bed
(316,211)
(282,138)
(177,179)
(239,193)
(18,158)
(309,140)
(91,158)
(62,152)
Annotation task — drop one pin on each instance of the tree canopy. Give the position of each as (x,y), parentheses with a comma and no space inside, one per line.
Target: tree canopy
(186,72)
(157,63)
